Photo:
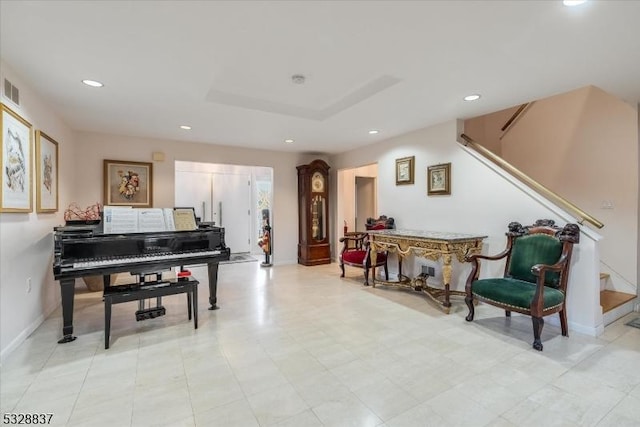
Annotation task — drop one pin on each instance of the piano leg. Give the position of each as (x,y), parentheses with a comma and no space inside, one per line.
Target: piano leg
(195,306)
(67,292)
(213,284)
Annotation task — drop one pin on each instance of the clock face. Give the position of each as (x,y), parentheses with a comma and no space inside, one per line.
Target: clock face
(317,182)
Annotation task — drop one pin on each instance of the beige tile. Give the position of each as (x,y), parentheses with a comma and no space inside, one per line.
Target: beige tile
(635,392)
(496,397)
(557,407)
(617,368)
(626,413)
(299,363)
(357,374)
(161,406)
(320,387)
(346,412)
(386,399)
(421,415)
(106,409)
(298,346)
(276,404)
(458,410)
(234,414)
(303,419)
(259,377)
(217,391)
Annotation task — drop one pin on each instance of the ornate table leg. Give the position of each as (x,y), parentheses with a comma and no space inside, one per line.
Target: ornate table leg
(374,257)
(446,277)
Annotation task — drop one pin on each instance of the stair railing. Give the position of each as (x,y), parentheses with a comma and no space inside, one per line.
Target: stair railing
(515,116)
(562,202)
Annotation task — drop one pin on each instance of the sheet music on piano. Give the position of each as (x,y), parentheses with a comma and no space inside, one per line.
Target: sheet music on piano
(120,220)
(185,218)
(150,220)
(169,219)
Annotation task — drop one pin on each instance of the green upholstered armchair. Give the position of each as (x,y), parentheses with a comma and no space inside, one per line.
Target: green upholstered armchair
(538,258)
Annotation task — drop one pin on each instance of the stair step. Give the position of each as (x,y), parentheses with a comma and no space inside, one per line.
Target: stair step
(604,276)
(612,299)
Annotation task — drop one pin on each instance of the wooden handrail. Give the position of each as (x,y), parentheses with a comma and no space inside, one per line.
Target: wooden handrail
(582,215)
(514,116)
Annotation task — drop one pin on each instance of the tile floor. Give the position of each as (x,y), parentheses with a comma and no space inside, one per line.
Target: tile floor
(298,346)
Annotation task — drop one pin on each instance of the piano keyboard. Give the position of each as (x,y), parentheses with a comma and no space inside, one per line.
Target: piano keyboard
(142,258)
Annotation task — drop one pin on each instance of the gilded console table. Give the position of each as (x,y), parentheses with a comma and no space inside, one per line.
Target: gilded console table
(433,245)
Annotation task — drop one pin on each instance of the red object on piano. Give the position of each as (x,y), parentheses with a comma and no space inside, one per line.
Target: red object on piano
(184,273)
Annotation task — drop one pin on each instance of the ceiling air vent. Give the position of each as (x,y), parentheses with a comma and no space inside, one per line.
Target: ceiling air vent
(11,92)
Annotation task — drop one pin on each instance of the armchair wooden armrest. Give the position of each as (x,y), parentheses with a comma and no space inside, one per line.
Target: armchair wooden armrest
(359,241)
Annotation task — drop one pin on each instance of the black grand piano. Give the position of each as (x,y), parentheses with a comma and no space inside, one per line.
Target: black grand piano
(84,250)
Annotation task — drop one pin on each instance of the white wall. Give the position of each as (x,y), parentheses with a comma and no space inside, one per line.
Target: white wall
(483,200)
(26,243)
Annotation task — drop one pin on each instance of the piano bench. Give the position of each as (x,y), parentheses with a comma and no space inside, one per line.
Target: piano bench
(135,292)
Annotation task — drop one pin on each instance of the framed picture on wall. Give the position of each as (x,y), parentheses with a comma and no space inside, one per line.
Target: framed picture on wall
(439,179)
(128,183)
(15,163)
(405,170)
(46,173)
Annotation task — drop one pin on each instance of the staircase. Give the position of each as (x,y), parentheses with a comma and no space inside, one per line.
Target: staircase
(614,304)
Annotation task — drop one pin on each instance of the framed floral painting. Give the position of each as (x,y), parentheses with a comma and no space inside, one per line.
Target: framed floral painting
(46,173)
(128,183)
(439,179)
(405,170)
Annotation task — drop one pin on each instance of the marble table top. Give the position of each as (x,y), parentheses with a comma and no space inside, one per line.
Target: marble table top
(425,234)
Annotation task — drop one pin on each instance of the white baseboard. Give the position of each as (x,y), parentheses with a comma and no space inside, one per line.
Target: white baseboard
(618,312)
(592,331)
(22,336)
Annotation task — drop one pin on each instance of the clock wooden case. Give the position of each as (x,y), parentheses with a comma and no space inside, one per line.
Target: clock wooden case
(313,213)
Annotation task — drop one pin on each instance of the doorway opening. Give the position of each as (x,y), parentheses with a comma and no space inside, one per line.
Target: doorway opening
(356,199)
(231,196)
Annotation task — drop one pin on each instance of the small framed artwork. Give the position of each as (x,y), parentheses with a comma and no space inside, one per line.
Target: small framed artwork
(405,170)
(46,173)
(128,183)
(15,162)
(439,179)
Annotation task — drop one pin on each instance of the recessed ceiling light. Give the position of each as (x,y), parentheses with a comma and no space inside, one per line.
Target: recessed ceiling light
(92,83)
(573,2)
(289,141)
(373,132)
(298,79)
(185,127)
(472,97)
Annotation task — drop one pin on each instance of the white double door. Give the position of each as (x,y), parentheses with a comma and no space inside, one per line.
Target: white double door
(222,198)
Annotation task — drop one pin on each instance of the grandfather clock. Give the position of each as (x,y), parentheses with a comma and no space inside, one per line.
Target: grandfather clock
(313,213)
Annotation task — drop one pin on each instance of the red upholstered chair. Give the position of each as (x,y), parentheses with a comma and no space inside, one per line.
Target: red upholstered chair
(356,254)
(356,251)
